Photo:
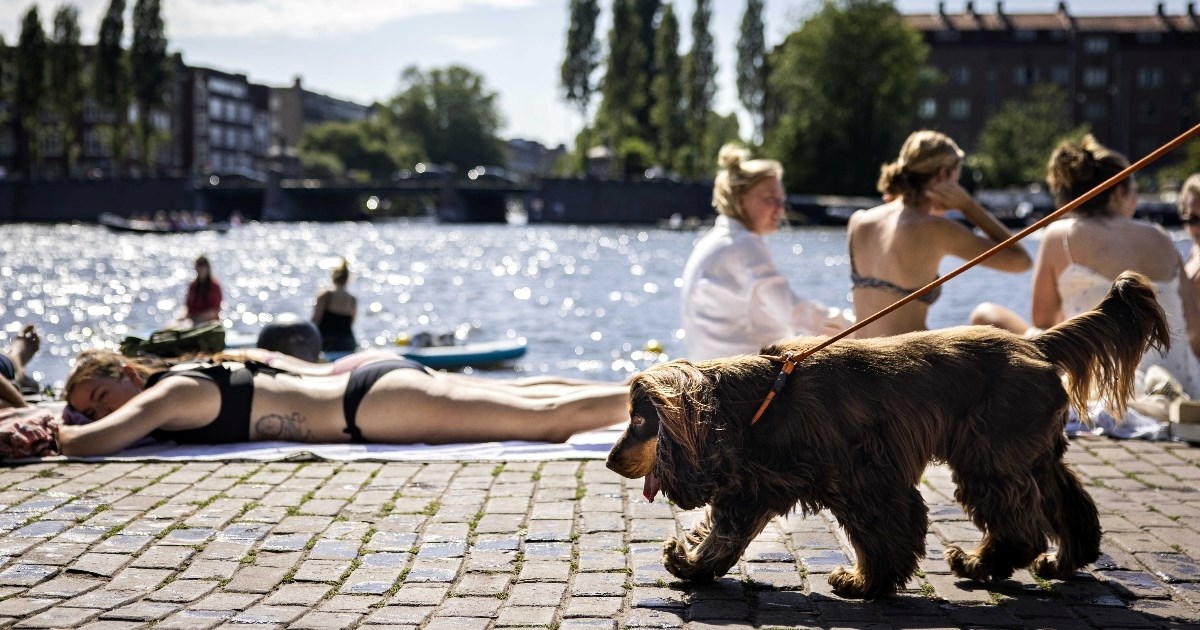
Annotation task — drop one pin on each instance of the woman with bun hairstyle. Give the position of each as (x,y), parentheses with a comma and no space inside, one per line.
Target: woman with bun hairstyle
(896,248)
(734,299)
(1080,256)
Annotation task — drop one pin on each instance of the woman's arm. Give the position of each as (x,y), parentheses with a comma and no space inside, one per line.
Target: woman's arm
(10,396)
(178,403)
(319,308)
(1046,306)
(1191,310)
(966,244)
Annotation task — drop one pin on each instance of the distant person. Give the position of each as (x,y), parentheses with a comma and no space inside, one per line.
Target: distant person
(1084,252)
(896,248)
(203,300)
(335,312)
(12,367)
(734,298)
(1189,215)
(121,400)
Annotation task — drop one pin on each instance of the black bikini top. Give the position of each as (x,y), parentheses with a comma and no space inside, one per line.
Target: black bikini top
(236,387)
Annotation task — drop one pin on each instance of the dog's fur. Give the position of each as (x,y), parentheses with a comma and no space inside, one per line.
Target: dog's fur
(858,422)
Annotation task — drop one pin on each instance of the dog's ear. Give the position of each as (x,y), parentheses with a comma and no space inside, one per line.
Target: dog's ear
(681,394)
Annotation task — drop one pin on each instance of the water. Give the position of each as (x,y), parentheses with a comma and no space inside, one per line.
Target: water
(587,299)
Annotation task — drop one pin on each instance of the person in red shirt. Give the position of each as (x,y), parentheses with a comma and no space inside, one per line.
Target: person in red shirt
(203,301)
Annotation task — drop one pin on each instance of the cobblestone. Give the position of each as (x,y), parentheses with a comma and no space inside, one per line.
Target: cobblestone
(454,545)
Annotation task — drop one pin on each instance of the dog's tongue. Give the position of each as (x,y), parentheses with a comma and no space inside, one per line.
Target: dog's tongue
(650,489)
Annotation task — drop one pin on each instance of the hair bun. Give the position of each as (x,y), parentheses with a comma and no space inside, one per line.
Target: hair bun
(732,156)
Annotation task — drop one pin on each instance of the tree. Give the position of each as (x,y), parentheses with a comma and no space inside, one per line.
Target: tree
(149,72)
(844,87)
(366,147)
(648,15)
(583,55)
(450,114)
(666,116)
(752,64)
(700,85)
(623,86)
(65,72)
(110,79)
(30,89)
(1017,140)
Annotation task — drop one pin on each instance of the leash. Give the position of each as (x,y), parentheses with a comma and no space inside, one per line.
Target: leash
(789,363)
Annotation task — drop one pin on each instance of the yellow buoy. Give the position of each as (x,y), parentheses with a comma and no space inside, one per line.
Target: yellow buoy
(653,346)
(403,339)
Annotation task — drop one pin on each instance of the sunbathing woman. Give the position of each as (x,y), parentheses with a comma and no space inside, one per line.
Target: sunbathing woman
(393,401)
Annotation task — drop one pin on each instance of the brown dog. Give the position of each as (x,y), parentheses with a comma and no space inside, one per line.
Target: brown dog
(856,425)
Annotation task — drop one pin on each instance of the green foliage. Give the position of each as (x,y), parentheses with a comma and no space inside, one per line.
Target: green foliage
(635,155)
(843,87)
(700,85)
(149,71)
(30,86)
(583,54)
(1016,141)
(624,82)
(330,149)
(752,63)
(647,12)
(65,73)
(450,113)
(666,116)
(110,78)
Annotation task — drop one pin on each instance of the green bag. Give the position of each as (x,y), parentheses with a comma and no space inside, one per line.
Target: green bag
(208,338)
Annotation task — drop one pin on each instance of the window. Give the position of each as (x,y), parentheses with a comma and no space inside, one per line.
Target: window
(92,146)
(1095,76)
(1060,75)
(214,109)
(961,75)
(52,144)
(1149,78)
(1148,112)
(927,108)
(214,135)
(7,145)
(960,108)
(1025,75)
(1149,37)
(1095,45)
(1025,35)
(1096,111)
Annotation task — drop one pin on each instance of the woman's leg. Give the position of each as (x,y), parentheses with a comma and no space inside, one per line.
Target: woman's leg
(989,314)
(408,406)
(532,387)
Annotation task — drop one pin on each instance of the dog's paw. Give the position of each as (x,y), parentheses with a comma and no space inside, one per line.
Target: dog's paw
(677,563)
(848,584)
(967,565)
(698,532)
(1047,567)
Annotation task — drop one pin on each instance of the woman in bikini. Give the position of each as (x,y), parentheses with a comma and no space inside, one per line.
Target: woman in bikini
(1080,256)
(114,401)
(896,248)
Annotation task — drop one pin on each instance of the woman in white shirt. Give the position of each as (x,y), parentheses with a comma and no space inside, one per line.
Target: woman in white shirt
(734,299)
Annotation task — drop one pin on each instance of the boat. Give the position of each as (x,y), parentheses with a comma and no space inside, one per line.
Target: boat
(461,355)
(119,223)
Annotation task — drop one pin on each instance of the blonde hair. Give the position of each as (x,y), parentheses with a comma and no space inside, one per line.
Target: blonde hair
(737,175)
(1190,190)
(341,273)
(922,156)
(96,363)
(1078,166)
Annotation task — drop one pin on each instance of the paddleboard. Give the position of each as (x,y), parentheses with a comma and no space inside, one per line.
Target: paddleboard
(474,354)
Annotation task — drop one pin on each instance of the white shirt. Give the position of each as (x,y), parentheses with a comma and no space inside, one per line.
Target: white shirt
(735,301)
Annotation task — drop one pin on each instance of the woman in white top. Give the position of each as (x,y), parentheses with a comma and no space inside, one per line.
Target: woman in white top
(734,299)
(1081,255)
(1189,216)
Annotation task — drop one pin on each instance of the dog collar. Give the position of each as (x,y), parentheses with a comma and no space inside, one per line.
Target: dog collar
(789,364)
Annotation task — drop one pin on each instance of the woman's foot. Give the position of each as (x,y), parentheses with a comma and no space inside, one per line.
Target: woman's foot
(21,351)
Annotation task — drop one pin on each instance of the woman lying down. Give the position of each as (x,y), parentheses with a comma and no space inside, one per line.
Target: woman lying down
(114,401)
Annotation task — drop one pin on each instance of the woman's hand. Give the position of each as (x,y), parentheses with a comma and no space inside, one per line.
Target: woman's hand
(949,195)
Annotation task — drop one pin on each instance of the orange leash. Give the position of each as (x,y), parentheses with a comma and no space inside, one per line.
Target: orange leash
(789,363)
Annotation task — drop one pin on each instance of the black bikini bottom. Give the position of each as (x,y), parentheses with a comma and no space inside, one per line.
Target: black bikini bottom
(361,380)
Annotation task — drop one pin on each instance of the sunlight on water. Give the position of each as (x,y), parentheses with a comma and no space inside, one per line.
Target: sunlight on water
(590,300)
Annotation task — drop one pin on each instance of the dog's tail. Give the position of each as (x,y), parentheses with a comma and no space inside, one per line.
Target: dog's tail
(1100,350)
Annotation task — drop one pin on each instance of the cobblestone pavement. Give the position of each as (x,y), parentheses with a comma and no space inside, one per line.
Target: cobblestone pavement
(550,544)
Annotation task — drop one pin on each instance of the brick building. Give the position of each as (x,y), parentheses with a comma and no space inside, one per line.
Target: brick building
(1134,78)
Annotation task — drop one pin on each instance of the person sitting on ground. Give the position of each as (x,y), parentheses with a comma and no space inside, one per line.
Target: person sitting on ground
(1189,216)
(734,299)
(896,248)
(203,300)
(12,367)
(1080,256)
(335,311)
(393,401)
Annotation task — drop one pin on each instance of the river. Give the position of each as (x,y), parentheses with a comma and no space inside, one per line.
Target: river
(587,298)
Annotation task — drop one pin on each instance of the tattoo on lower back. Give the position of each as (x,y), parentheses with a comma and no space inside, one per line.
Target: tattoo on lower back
(289,428)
